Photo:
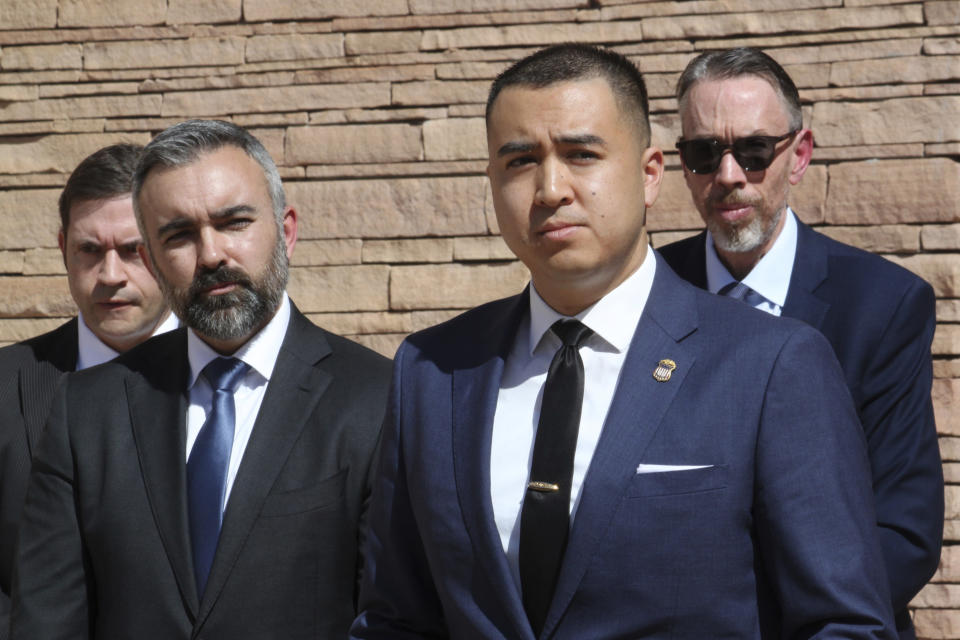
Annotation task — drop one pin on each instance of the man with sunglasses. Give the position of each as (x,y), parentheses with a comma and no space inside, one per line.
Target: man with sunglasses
(742,147)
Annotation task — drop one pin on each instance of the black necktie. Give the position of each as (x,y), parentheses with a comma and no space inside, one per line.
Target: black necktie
(208,463)
(545,517)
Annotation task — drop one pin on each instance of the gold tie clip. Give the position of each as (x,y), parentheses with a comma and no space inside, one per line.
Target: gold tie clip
(546,487)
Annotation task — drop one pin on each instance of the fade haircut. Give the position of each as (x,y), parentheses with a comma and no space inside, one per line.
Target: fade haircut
(103,175)
(743,61)
(573,62)
(183,143)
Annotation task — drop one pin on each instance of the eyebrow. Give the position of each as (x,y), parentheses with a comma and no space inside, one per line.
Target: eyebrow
(584,139)
(515,147)
(221,214)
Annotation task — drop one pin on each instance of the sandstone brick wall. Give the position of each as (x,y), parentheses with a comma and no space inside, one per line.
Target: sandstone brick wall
(373,111)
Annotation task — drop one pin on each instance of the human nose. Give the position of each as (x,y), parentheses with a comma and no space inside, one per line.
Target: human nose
(553,186)
(111,273)
(210,253)
(730,174)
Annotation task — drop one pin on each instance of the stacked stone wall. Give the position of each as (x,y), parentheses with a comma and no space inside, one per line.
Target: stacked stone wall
(373,110)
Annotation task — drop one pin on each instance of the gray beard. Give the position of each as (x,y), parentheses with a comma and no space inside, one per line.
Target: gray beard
(745,238)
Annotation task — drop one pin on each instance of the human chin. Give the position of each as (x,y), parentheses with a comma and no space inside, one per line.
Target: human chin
(239,312)
(743,238)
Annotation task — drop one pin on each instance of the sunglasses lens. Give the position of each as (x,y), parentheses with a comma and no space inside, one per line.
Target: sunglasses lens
(701,156)
(754,153)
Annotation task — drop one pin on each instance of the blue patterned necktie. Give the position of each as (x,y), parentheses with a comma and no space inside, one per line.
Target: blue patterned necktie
(208,463)
(740,291)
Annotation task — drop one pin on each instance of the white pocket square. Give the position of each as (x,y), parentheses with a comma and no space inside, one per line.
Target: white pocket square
(661,468)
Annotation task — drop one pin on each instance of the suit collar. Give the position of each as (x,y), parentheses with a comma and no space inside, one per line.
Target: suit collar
(671,315)
(475,390)
(54,354)
(294,391)
(692,265)
(810,270)
(156,393)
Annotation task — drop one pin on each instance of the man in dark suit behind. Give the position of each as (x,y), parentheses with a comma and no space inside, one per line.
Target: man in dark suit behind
(120,306)
(211,482)
(878,317)
(613,453)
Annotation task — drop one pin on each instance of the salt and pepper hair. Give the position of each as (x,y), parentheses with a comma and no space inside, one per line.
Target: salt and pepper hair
(183,143)
(103,175)
(743,61)
(573,62)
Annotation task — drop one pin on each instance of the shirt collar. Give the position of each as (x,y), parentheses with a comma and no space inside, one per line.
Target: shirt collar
(92,351)
(771,276)
(613,317)
(260,351)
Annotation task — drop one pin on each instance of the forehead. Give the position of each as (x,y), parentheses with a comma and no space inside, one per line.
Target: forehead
(101,218)
(212,180)
(746,104)
(563,106)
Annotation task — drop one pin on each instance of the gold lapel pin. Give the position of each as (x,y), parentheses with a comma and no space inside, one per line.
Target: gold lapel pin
(664,370)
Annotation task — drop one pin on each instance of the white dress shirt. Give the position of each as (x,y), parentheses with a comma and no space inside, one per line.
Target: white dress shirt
(92,351)
(613,320)
(770,277)
(260,352)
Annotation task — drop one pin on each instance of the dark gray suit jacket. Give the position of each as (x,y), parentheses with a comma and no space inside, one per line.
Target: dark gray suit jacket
(105,549)
(29,372)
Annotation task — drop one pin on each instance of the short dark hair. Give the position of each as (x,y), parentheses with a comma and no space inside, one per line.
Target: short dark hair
(183,143)
(743,61)
(103,175)
(572,62)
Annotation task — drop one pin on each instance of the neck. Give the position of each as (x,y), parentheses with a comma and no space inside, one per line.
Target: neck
(741,263)
(570,297)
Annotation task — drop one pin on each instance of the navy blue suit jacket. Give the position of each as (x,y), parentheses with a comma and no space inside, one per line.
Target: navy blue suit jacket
(776,537)
(880,320)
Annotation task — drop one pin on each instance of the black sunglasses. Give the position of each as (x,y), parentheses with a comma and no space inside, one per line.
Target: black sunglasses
(752,153)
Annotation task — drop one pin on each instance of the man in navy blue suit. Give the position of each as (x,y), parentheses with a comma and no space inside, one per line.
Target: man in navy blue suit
(613,453)
(878,317)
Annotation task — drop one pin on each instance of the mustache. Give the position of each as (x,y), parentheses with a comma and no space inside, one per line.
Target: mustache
(734,198)
(213,277)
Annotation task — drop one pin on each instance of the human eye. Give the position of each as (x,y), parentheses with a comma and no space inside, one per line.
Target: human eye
(130,251)
(583,155)
(520,161)
(175,237)
(89,248)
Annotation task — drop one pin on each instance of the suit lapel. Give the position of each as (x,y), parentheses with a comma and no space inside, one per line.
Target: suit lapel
(158,409)
(692,267)
(293,392)
(635,415)
(39,378)
(475,388)
(810,267)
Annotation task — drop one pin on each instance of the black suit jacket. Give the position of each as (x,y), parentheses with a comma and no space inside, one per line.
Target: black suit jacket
(29,372)
(105,549)
(880,320)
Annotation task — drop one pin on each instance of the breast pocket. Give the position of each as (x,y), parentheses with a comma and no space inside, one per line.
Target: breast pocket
(669,483)
(322,495)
